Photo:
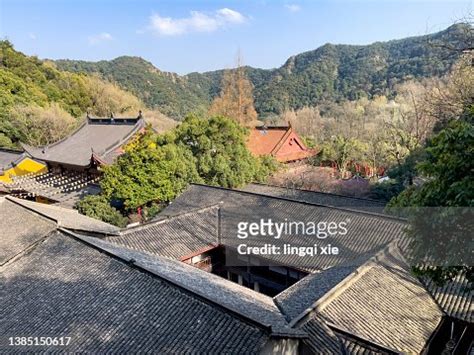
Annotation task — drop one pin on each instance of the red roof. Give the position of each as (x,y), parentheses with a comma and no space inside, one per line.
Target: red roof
(280,142)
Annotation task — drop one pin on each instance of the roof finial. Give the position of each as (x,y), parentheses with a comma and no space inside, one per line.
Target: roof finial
(139,114)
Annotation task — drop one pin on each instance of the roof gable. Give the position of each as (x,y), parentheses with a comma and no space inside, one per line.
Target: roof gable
(317,198)
(281,142)
(263,141)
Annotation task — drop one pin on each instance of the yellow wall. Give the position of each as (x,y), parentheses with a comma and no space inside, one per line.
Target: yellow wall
(26,166)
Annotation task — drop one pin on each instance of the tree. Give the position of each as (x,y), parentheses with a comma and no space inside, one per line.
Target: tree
(236,97)
(442,236)
(99,208)
(219,146)
(342,151)
(41,125)
(5,142)
(107,98)
(149,174)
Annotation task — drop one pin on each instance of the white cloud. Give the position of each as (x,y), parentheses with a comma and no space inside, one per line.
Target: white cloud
(32,36)
(293,7)
(197,22)
(101,37)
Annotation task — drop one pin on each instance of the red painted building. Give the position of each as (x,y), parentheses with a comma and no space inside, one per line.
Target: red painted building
(281,142)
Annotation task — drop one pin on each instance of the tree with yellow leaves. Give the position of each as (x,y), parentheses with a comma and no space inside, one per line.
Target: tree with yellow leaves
(236,98)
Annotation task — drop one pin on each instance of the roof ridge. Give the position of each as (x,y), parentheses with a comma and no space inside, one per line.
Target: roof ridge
(10,150)
(18,202)
(28,249)
(320,192)
(166,219)
(350,210)
(58,208)
(60,222)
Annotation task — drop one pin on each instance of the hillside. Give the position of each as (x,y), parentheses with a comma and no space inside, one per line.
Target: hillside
(331,72)
(40,103)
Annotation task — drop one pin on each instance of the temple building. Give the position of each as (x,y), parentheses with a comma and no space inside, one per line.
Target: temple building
(97,142)
(280,142)
(70,168)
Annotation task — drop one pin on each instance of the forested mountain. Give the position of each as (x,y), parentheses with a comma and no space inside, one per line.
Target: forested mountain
(40,104)
(331,72)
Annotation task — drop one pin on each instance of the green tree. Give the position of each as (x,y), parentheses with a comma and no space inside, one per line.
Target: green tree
(443,235)
(219,146)
(99,208)
(342,151)
(149,173)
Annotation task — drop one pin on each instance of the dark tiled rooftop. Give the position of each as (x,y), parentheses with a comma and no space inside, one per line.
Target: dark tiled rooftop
(101,137)
(383,303)
(367,233)
(455,298)
(321,339)
(65,288)
(356,347)
(318,198)
(19,229)
(302,295)
(67,218)
(175,237)
(241,300)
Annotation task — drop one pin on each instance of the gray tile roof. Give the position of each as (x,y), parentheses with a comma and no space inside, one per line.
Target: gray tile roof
(321,339)
(7,157)
(367,233)
(384,304)
(19,229)
(67,218)
(94,136)
(175,237)
(66,288)
(318,198)
(241,300)
(454,298)
(356,347)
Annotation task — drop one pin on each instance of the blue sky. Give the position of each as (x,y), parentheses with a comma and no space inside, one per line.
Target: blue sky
(184,36)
